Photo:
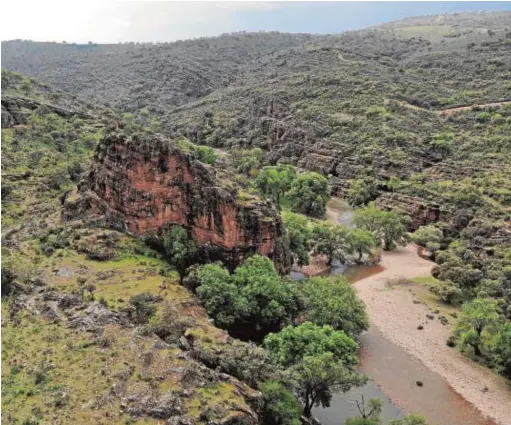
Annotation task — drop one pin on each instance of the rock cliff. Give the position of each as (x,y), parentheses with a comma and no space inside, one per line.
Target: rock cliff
(140,184)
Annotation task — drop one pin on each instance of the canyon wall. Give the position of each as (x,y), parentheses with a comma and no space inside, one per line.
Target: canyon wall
(141,184)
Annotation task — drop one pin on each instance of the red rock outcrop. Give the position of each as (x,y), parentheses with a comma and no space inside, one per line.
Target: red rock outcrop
(139,185)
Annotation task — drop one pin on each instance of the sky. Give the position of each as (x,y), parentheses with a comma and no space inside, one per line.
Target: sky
(104,21)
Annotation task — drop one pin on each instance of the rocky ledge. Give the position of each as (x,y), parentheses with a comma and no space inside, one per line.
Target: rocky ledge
(140,184)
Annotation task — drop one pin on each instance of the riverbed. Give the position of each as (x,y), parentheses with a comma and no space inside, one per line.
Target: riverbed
(395,354)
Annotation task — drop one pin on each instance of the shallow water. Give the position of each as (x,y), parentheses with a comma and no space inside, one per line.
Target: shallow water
(393,373)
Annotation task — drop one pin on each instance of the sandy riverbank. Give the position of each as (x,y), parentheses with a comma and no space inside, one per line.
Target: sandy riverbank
(395,314)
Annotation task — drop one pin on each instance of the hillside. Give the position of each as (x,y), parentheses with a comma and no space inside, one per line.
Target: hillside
(414,115)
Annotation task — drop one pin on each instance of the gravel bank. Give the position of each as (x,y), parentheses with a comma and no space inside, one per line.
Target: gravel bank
(395,314)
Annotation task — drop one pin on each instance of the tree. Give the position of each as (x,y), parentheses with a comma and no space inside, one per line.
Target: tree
(428,237)
(309,194)
(388,226)
(318,377)
(360,241)
(299,234)
(206,154)
(359,193)
(330,240)
(143,307)
(219,295)
(369,412)
(293,343)
(333,301)
(274,181)
(280,406)
(253,298)
(179,249)
(248,160)
(478,321)
(271,302)
(503,349)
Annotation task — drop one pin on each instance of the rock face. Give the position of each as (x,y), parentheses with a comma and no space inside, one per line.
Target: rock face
(15,110)
(420,213)
(140,185)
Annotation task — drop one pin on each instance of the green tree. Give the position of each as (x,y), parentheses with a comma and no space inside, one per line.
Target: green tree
(503,349)
(309,194)
(333,301)
(330,240)
(361,242)
(274,181)
(428,237)
(280,406)
(179,248)
(477,323)
(318,377)
(387,226)
(271,301)
(359,193)
(299,234)
(253,298)
(206,154)
(248,160)
(219,295)
(293,343)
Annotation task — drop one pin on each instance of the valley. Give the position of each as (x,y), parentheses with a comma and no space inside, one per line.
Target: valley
(260,228)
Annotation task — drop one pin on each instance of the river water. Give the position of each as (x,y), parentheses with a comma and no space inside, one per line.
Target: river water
(392,372)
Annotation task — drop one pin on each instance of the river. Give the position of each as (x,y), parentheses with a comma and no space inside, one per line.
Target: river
(393,372)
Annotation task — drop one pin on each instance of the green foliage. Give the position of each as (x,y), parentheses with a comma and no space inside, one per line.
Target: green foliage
(248,161)
(502,349)
(309,194)
(274,181)
(477,324)
(220,295)
(292,344)
(429,237)
(179,248)
(359,193)
(409,420)
(143,307)
(299,234)
(361,242)
(254,296)
(330,240)
(388,226)
(207,154)
(333,301)
(318,377)
(280,406)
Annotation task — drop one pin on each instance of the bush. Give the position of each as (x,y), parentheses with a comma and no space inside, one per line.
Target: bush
(280,406)
(143,307)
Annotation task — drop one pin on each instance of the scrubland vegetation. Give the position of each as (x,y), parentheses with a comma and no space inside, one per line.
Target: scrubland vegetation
(101,327)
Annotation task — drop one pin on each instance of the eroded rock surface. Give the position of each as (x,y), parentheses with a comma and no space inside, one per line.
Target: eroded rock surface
(140,185)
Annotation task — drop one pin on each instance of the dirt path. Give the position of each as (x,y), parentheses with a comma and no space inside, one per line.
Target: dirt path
(454,111)
(395,314)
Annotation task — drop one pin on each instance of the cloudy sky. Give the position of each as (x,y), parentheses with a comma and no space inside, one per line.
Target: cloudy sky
(115,21)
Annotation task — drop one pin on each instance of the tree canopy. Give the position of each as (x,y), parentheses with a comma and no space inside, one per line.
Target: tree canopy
(254,296)
(309,194)
(333,301)
(274,181)
(388,226)
(299,234)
